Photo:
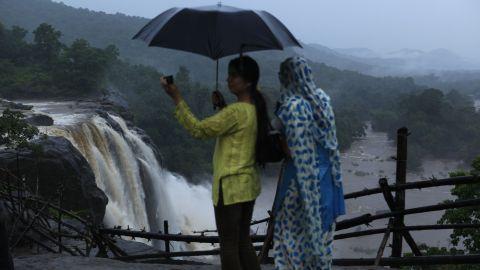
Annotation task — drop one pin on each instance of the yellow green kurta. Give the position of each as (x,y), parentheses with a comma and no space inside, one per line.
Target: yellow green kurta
(235,128)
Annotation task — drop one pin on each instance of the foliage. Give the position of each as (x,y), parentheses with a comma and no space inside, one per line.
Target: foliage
(47,68)
(47,45)
(441,125)
(433,251)
(15,132)
(81,66)
(467,238)
(465,241)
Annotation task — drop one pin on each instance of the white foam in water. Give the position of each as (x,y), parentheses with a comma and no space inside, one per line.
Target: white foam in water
(126,169)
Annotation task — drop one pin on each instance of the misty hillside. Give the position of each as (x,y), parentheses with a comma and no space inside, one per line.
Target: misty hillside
(322,54)
(358,52)
(102,29)
(409,62)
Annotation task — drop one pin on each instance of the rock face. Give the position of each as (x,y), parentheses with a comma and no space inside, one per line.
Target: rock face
(5,258)
(39,120)
(59,164)
(14,106)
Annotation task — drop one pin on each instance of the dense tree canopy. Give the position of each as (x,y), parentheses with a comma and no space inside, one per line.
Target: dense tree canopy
(442,125)
(47,45)
(47,68)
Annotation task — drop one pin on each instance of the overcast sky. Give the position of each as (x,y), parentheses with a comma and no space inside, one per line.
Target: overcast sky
(381,25)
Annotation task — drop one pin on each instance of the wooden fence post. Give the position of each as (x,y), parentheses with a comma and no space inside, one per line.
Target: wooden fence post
(60,205)
(401,178)
(165,231)
(383,183)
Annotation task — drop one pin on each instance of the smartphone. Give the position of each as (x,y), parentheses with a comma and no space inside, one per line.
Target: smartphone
(169,79)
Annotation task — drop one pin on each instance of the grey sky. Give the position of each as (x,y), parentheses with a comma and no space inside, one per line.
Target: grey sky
(381,25)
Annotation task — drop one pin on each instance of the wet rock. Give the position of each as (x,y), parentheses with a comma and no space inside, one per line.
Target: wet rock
(119,110)
(14,106)
(380,212)
(5,257)
(130,125)
(113,96)
(59,164)
(361,173)
(111,122)
(39,120)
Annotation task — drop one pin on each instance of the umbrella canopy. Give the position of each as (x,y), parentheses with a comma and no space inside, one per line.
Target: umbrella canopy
(216,31)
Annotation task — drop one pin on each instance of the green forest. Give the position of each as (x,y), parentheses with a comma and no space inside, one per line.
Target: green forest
(47,68)
(60,52)
(442,125)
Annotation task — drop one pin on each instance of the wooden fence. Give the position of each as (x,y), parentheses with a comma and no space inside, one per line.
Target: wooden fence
(394,196)
(33,214)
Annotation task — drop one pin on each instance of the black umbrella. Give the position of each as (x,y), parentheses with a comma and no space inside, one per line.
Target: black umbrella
(216,31)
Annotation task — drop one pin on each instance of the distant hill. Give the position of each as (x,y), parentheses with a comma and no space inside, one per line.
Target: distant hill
(358,52)
(409,62)
(321,54)
(334,71)
(102,29)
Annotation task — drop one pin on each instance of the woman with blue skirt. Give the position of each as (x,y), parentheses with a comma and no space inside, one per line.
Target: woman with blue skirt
(310,195)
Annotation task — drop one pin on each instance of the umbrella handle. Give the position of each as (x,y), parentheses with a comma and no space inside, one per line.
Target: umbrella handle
(217,97)
(218,100)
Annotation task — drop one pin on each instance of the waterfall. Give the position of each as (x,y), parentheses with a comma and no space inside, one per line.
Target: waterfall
(141,193)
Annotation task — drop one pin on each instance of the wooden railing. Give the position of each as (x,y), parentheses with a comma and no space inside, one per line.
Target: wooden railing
(34,214)
(45,223)
(394,196)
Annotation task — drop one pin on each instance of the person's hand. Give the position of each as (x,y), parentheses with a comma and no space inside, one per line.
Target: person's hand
(171,90)
(285,148)
(217,100)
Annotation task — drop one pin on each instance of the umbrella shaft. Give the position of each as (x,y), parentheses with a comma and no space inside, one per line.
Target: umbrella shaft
(216,81)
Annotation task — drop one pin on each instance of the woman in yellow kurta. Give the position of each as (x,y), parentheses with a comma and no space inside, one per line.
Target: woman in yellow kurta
(241,129)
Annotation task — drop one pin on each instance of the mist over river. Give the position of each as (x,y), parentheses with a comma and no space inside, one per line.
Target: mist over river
(142,194)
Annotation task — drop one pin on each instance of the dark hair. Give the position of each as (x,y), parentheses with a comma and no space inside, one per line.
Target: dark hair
(248,69)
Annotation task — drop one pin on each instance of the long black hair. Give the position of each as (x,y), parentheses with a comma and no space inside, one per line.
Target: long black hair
(248,69)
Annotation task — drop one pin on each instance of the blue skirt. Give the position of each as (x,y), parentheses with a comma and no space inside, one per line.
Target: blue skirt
(331,195)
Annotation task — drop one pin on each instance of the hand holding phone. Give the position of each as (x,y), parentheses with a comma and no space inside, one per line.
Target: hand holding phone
(169,79)
(171,89)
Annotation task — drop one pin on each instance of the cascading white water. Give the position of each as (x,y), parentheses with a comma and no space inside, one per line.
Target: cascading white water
(141,193)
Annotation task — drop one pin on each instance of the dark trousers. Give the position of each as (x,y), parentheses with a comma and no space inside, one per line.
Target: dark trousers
(233,225)
(5,258)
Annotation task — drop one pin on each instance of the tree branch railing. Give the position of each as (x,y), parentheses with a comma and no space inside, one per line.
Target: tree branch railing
(32,216)
(395,202)
(43,223)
